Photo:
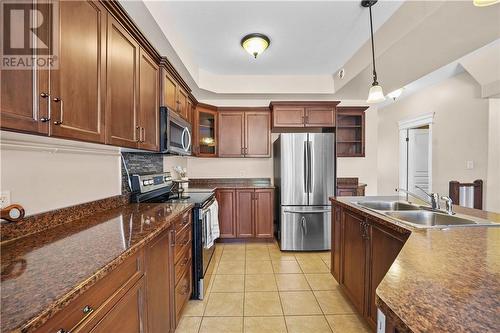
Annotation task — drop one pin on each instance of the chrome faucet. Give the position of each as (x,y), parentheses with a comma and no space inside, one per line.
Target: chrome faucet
(434,197)
(448,204)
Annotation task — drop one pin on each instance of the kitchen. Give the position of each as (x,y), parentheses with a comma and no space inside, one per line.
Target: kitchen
(169,174)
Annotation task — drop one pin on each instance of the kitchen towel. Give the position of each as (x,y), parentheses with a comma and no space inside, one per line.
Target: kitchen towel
(214,224)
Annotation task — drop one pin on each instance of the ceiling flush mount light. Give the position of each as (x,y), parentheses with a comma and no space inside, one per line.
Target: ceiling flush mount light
(485,3)
(255,44)
(375,95)
(395,94)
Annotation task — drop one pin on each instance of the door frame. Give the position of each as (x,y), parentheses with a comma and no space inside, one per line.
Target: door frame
(404,125)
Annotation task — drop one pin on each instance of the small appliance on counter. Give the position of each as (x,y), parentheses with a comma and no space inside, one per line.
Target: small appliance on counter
(158,188)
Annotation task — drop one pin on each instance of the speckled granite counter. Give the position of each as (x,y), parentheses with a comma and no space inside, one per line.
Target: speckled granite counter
(44,271)
(443,280)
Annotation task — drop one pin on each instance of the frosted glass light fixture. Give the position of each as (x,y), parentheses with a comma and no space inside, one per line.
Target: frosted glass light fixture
(376,94)
(484,3)
(255,43)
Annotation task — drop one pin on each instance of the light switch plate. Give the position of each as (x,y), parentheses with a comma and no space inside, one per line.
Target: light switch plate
(469,165)
(4,199)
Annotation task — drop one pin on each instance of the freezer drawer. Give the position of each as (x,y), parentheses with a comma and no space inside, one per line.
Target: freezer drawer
(305,228)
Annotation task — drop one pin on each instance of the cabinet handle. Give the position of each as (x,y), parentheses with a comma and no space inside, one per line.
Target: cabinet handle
(45,119)
(172,238)
(242,151)
(59,100)
(44,95)
(143,134)
(138,128)
(87,310)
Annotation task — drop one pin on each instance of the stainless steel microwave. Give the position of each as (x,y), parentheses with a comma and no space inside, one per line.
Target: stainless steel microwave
(175,133)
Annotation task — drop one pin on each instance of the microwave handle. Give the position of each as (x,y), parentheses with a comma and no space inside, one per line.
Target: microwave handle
(189,139)
(182,138)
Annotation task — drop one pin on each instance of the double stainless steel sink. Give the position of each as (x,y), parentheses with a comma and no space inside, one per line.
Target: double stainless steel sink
(420,216)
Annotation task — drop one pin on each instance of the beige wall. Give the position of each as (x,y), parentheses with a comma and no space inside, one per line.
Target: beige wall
(45,173)
(459,133)
(493,181)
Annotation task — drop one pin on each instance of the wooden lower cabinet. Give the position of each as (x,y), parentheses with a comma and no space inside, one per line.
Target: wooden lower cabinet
(226,199)
(362,253)
(246,212)
(144,293)
(353,272)
(128,315)
(159,283)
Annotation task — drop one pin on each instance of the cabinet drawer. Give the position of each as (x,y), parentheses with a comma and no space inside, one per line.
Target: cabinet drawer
(182,242)
(182,292)
(92,305)
(183,221)
(182,264)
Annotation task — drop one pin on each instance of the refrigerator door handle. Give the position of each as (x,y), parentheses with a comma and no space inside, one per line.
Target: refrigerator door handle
(306,168)
(309,168)
(322,211)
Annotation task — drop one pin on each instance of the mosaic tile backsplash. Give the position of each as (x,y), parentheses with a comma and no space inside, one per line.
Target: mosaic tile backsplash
(140,163)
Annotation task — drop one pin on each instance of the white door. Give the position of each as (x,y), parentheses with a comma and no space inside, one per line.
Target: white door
(418,160)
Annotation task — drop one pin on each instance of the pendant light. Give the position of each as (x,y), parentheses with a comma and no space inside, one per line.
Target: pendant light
(376,94)
(255,43)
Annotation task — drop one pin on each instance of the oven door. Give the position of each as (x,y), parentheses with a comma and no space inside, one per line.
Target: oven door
(176,133)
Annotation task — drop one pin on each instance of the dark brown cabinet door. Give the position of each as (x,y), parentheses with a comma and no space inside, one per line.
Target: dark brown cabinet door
(320,117)
(264,213)
(257,134)
(79,84)
(384,248)
(231,134)
(148,102)
(353,269)
(244,213)
(169,92)
(288,116)
(227,206)
(336,237)
(182,103)
(127,316)
(25,96)
(159,269)
(122,127)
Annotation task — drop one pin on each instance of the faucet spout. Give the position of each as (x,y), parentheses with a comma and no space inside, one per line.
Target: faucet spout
(434,197)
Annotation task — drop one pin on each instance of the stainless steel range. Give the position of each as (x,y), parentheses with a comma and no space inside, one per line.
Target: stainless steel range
(158,188)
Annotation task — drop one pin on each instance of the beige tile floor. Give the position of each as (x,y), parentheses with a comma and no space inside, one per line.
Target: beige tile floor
(257,288)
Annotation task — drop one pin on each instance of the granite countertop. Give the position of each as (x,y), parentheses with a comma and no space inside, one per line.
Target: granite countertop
(44,271)
(443,280)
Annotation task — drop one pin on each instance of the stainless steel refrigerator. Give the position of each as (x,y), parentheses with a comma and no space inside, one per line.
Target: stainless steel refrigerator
(304,176)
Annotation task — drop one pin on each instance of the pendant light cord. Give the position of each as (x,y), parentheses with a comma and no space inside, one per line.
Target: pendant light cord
(373,49)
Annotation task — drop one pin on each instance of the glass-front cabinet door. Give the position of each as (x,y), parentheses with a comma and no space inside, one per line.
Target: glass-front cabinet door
(206,131)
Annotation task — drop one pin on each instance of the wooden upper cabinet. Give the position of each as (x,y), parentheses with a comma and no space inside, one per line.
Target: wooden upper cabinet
(25,96)
(122,87)
(354,249)
(244,133)
(79,85)
(257,134)
(159,269)
(288,116)
(320,116)
(169,91)
(227,206)
(245,213)
(182,103)
(149,88)
(350,133)
(231,134)
(264,199)
(303,114)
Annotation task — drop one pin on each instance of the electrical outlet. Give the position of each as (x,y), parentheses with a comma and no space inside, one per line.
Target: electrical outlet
(4,199)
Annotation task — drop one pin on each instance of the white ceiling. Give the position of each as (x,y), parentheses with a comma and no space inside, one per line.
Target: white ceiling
(307,37)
